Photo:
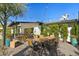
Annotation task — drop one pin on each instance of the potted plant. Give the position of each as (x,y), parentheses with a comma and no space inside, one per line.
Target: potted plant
(64,32)
(74,35)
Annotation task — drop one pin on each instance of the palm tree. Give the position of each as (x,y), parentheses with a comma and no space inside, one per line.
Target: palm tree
(9,10)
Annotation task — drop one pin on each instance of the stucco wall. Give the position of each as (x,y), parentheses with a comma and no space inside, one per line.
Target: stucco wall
(28,25)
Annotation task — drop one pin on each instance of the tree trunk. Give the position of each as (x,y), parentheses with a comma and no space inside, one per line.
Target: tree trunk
(4,32)
(78,32)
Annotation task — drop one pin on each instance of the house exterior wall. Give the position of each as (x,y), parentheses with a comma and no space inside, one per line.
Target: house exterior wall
(27,25)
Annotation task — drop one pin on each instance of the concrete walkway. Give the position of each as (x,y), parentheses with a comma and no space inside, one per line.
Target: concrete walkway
(17,49)
(67,49)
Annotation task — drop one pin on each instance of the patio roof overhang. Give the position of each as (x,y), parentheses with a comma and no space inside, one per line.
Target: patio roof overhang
(12,24)
(64,22)
(40,23)
(18,22)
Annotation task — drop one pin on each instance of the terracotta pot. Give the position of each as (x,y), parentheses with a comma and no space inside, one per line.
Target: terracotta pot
(12,44)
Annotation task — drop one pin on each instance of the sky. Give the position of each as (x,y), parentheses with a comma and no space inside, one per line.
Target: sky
(48,12)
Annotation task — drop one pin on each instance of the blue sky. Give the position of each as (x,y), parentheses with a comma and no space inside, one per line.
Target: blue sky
(46,12)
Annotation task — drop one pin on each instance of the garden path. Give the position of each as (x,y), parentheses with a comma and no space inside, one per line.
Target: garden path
(67,49)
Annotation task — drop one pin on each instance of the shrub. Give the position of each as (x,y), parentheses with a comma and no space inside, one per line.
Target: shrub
(74,31)
(28,31)
(44,30)
(22,37)
(8,32)
(55,29)
(64,31)
(0,30)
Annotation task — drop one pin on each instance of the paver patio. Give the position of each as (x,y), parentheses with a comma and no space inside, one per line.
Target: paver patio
(63,48)
(67,49)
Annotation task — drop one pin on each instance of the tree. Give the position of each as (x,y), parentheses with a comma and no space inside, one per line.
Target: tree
(8,10)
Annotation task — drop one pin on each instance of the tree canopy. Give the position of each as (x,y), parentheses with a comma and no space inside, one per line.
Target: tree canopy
(10,9)
(7,10)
